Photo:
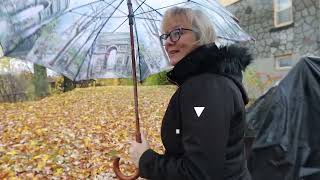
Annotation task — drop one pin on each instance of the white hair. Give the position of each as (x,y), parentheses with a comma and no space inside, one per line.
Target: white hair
(200,22)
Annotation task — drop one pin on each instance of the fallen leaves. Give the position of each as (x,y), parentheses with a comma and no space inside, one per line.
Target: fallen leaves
(76,134)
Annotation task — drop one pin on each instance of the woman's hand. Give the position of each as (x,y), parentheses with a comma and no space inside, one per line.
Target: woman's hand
(137,149)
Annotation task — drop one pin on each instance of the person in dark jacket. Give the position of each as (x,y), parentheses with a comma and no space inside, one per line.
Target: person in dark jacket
(203,127)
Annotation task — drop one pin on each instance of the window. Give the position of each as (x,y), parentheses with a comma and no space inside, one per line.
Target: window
(282,12)
(283,62)
(227,2)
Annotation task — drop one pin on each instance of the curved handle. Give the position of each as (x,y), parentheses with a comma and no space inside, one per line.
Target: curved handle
(116,164)
(119,174)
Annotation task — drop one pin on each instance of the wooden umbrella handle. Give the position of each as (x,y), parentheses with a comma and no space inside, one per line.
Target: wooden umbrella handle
(116,164)
(119,174)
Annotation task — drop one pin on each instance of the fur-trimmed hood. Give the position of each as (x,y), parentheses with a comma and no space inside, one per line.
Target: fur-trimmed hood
(229,61)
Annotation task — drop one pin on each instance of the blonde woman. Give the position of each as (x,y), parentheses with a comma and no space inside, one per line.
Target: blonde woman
(203,127)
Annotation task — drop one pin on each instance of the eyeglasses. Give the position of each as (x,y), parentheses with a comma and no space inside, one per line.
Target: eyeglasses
(174,35)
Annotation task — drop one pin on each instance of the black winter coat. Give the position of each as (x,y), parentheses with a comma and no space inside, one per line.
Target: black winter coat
(203,127)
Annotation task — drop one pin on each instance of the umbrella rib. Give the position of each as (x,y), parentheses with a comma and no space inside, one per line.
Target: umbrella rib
(149,11)
(69,10)
(52,19)
(115,7)
(78,51)
(163,7)
(139,6)
(90,49)
(220,16)
(151,25)
(92,8)
(120,25)
(90,56)
(94,41)
(234,18)
(126,19)
(98,17)
(147,18)
(93,17)
(109,4)
(151,8)
(87,24)
(97,37)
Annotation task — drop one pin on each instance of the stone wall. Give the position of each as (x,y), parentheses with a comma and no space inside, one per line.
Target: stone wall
(302,37)
(306,30)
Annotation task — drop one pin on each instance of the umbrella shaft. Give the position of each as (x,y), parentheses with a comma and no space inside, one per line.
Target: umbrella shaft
(134,73)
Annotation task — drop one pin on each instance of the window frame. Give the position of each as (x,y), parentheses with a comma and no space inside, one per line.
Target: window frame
(277,60)
(275,13)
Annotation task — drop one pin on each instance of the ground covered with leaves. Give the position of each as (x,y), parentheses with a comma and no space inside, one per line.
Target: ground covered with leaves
(75,135)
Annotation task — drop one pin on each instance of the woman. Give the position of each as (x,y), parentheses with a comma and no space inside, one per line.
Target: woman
(203,127)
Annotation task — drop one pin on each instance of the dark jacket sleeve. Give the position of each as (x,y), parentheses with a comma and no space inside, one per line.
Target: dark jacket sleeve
(204,138)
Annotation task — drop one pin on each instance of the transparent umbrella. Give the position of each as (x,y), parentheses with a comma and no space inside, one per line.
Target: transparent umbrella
(87,39)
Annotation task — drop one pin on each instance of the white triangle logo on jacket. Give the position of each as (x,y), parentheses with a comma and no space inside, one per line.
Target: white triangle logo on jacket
(199,110)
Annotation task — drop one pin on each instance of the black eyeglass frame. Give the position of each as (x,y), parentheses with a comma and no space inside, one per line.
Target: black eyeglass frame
(164,37)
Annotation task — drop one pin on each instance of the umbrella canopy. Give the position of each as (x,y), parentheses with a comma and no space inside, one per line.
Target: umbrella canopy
(87,39)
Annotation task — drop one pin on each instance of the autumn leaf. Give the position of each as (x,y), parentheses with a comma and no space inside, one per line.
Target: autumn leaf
(75,135)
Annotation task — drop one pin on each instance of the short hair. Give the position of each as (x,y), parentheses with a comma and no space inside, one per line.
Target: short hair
(200,22)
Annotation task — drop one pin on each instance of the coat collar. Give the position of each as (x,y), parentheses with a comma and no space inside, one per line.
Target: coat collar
(229,61)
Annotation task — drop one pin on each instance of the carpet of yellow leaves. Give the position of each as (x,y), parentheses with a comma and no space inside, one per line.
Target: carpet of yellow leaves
(75,135)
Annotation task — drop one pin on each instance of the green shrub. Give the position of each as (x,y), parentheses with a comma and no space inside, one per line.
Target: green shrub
(16,87)
(257,83)
(157,79)
(114,82)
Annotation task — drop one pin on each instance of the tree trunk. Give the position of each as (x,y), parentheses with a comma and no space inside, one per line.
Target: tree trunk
(40,81)
(68,84)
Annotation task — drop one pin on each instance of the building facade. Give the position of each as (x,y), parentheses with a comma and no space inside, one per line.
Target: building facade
(284,31)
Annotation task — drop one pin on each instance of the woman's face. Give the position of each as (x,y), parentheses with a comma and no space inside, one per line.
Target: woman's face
(187,42)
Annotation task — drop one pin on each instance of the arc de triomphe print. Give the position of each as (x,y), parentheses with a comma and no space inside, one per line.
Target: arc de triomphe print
(111,55)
